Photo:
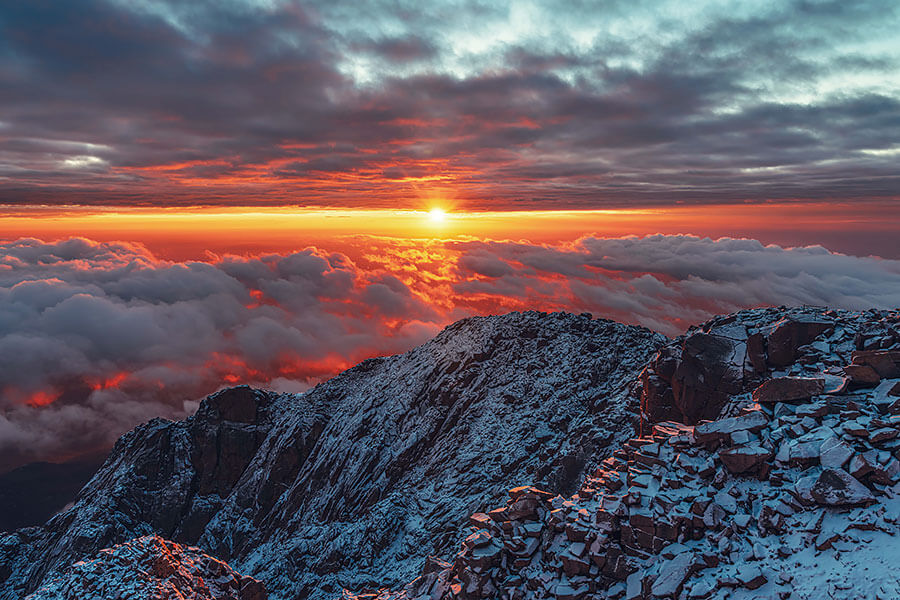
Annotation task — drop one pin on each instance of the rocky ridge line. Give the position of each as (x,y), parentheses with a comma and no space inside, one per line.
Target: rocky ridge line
(791,491)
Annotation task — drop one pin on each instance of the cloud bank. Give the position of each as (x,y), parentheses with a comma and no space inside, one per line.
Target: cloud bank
(97,337)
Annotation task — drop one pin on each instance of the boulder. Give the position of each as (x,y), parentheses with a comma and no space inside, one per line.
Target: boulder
(756,352)
(862,375)
(751,577)
(882,435)
(885,362)
(572,561)
(528,491)
(789,334)
(480,520)
(565,591)
(721,430)
(885,395)
(478,539)
(672,575)
(836,487)
(484,557)
(834,454)
(657,399)
(524,508)
(713,516)
(711,368)
(744,458)
(861,465)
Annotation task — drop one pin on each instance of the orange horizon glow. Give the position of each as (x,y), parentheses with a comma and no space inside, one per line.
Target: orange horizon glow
(193,232)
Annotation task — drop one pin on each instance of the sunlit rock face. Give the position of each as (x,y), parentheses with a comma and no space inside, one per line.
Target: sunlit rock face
(151,568)
(355,482)
(791,491)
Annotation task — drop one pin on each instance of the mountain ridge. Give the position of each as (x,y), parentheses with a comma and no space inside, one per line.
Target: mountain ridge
(755,456)
(262,479)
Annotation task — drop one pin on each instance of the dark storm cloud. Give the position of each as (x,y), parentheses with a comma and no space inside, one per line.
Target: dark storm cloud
(549,104)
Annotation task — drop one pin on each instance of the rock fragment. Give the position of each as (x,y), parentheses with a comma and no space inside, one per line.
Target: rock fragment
(785,389)
(836,487)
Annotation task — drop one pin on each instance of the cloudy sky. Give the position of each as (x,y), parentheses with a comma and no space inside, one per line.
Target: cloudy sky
(574,104)
(195,194)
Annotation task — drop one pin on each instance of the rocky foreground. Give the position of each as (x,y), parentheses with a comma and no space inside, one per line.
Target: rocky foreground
(766,465)
(353,484)
(151,568)
(768,468)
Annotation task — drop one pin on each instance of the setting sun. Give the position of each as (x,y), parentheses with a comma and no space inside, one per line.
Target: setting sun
(437,215)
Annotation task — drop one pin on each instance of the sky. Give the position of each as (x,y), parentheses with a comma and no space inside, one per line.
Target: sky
(496,105)
(200,194)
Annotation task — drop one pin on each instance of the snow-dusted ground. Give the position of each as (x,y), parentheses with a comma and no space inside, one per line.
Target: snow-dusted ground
(794,496)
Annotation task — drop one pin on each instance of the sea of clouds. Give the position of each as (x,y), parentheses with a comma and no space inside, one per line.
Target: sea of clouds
(98,337)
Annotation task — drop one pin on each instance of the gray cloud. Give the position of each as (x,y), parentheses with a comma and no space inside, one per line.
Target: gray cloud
(114,336)
(669,282)
(540,105)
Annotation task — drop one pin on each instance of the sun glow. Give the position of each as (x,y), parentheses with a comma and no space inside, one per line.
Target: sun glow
(437,215)
(192,233)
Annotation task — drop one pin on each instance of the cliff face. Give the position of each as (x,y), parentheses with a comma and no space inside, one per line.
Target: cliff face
(353,483)
(790,489)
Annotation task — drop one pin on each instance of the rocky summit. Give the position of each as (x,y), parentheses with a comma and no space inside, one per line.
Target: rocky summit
(527,456)
(767,468)
(354,483)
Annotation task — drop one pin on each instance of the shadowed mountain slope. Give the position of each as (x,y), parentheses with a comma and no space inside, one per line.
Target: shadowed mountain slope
(354,482)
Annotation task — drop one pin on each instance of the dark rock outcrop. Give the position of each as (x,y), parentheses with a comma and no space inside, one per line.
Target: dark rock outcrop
(836,487)
(785,389)
(698,374)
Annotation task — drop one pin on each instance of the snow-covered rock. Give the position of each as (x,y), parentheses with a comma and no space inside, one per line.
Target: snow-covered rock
(773,500)
(354,483)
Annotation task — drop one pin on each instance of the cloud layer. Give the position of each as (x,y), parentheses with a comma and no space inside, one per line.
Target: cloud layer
(498,104)
(97,337)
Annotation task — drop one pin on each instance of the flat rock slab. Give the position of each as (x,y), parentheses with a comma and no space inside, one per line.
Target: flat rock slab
(785,389)
(718,430)
(744,458)
(672,576)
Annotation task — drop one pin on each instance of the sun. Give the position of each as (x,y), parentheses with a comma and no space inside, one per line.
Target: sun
(437,215)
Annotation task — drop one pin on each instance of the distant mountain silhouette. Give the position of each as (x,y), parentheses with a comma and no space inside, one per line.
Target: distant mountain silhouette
(31,494)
